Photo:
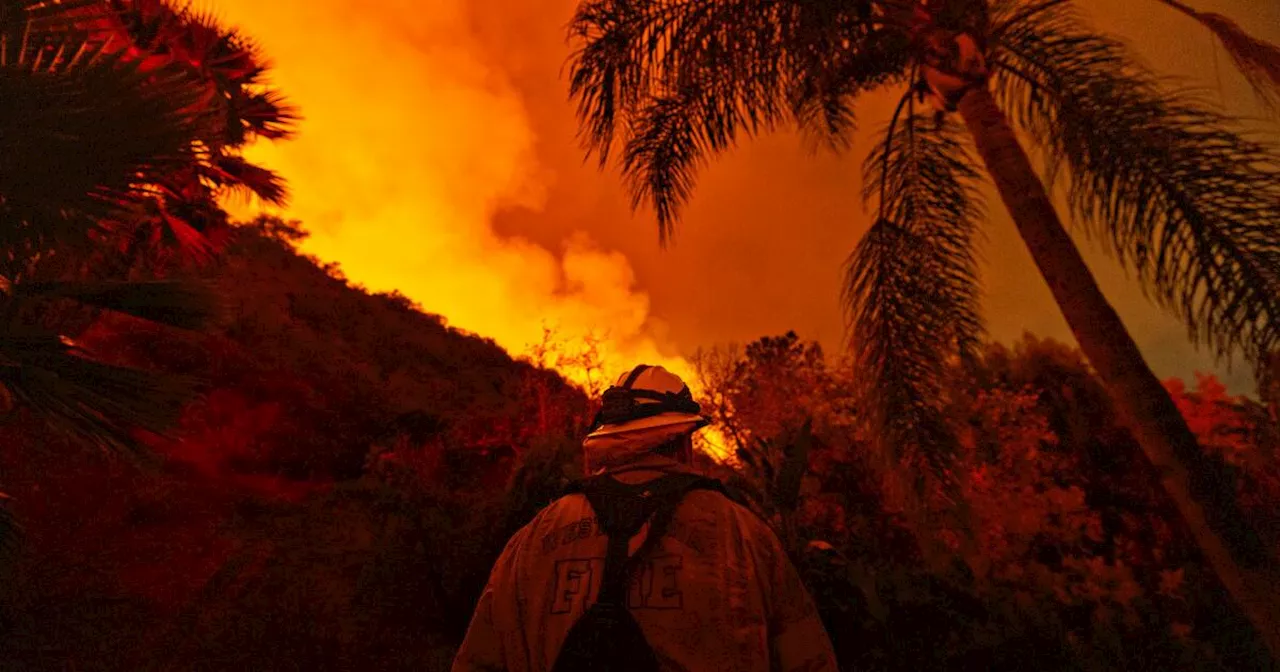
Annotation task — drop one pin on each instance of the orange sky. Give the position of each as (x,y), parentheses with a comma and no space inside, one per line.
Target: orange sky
(438,157)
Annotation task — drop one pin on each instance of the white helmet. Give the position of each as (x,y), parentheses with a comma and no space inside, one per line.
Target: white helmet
(646,408)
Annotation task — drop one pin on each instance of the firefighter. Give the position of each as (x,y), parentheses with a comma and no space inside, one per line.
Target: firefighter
(708,586)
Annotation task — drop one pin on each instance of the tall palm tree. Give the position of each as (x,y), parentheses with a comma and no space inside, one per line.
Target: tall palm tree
(1174,188)
(93,136)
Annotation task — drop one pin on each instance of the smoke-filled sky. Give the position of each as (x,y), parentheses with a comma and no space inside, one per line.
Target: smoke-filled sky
(438,157)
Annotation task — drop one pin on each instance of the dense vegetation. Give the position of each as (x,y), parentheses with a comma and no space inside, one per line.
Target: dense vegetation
(335,499)
(1190,207)
(218,453)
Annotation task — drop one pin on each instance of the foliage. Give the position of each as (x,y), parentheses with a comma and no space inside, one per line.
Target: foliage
(294,389)
(578,358)
(123,118)
(84,172)
(79,159)
(1242,433)
(1078,555)
(912,290)
(1080,559)
(348,480)
(1167,182)
(231,72)
(773,400)
(1190,207)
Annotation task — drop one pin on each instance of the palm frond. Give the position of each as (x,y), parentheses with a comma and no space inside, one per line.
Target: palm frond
(235,172)
(684,79)
(36,18)
(238,67)
(78,143)
(661,156)
(822,94)
(1258,60)
(1184,199)
(266,114)
(632,51)
(672,136)
(85,399)
(184,304)
(912,289)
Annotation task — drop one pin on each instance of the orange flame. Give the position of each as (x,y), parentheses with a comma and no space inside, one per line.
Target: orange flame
(410,144)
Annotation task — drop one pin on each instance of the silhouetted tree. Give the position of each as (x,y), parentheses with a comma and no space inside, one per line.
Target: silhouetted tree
(231,71)
(1184,199)
(94,132)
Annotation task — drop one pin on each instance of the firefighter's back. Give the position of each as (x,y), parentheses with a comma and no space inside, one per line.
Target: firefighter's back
(717,593)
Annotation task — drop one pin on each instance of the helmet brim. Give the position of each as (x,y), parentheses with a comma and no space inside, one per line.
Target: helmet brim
(694,421)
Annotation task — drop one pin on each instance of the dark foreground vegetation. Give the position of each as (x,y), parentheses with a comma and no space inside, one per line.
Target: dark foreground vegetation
(333,496)
(334,501)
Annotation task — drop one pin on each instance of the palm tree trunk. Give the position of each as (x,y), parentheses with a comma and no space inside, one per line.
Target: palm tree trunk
(1198,486)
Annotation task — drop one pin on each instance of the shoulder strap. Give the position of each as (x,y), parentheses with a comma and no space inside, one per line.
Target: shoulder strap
(622,509)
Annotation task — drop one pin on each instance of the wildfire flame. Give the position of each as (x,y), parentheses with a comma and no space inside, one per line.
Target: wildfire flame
(410,144)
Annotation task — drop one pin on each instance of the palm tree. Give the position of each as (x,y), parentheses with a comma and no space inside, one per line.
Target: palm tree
(92,139)
(1175,189)
(232,71)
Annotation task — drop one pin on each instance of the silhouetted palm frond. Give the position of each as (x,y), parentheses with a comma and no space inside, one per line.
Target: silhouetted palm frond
(672,136)
(88,400)
(823,99)
(230,70)
(912,288)
(634,50)
(1185,200)
(266,114)
(185,304)
(1258,60)
(219,55)
(81,132)
(234,172)
(39,19)
(826,76)
(682,80)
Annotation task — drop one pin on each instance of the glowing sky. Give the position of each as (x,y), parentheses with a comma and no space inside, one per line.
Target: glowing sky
(438,157)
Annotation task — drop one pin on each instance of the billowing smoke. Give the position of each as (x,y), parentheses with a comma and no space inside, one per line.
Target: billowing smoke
(410,145)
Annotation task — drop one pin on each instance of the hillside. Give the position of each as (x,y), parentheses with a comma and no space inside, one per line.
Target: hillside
(349,446)
(337,498)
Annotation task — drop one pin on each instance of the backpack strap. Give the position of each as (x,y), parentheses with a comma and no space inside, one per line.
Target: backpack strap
(622,509)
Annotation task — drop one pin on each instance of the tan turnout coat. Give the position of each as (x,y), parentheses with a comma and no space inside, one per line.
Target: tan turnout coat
(718,594)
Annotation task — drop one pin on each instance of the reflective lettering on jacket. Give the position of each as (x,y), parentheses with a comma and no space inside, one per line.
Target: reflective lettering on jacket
(718,594)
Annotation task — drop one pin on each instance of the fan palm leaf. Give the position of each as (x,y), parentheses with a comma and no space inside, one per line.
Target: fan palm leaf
(105,130)
(73,155)
(230,70)
(87,400)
